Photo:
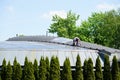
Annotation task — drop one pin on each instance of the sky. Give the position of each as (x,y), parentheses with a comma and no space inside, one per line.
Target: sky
(33,17)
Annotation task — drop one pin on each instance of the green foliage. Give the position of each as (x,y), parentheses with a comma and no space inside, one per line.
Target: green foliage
(9,72)
(54,69)
(98,71)
(3,70)
(47,69)
(18,72)
(36,70)
(85,70)
(115,69)
(14,69)
(64,27)
(66,72)
(42,69)
(106,71)
(28,71)
(78,71)
(25,68)
(102,28)
(90,72)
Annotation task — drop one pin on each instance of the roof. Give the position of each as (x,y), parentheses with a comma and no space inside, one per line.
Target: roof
(34,47)
(34,50)
(66,41)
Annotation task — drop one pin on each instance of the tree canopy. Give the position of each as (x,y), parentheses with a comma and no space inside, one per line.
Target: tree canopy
(78,69)
(64,27)
(101,27)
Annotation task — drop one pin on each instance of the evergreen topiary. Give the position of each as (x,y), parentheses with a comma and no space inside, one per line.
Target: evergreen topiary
(25,68)
(36,70)
(106,71)
(42,69)
(28,70)
(18,71)
(98,71)
(66,72)
(78,69)
(115,69)
(9,72)
(3,70)
(85,70)
(90,72)
(54,69)
(47,69)
(14,69)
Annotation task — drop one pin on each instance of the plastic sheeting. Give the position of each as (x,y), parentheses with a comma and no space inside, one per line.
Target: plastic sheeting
(37,54)
(34,50)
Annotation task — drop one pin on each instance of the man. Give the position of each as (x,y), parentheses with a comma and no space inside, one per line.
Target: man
(76,41)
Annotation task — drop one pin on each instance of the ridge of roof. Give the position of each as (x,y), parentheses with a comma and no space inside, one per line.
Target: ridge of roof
(65,41)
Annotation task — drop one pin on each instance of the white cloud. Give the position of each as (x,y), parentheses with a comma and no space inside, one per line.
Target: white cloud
(9,9)
(61,13)
(105,6)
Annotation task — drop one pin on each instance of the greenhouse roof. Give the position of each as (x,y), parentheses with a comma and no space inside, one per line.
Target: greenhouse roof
(34,47)
(65,41)
(34,50)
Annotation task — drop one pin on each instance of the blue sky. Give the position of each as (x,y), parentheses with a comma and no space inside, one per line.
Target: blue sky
(33,17)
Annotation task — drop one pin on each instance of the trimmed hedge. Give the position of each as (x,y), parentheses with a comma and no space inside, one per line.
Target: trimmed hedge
(51,70)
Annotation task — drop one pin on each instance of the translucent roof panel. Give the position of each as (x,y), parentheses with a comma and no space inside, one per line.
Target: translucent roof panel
(24,45)
(61,40)
(66,41)
(37,54)
(34,50)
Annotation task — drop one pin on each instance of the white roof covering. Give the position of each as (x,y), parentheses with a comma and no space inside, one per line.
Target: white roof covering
(37,46)
(34,50)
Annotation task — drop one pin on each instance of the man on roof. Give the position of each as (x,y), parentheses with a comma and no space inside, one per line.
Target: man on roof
(76,41)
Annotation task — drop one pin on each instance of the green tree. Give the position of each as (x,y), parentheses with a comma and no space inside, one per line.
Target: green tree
(9,72)
(3,70)
(64,27)
(29,72)
(78,69)
(106,71)
(58,67)
(91,28)
(14,69)
(84,32)
(115,69)
(42,69)
(47,69)
(54,69)
(66,72)
(36,70)
(102,28)
(98,71)
(85,70)
(18,71)
(25,73)
(90,72)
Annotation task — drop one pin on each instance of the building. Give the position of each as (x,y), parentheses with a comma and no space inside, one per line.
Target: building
(34,47)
